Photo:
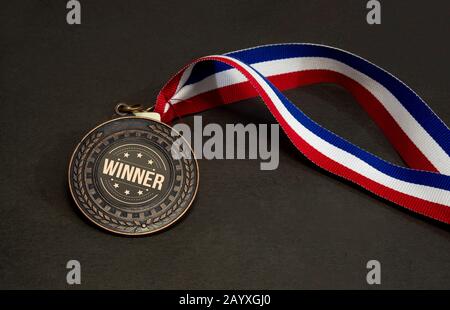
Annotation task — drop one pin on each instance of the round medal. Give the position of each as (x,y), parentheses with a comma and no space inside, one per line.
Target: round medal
(126,176)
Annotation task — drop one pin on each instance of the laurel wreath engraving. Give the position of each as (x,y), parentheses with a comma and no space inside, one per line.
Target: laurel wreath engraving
(117,223)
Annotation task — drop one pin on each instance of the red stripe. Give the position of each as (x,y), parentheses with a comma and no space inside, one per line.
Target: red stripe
(413,157)
(430,209)
(167,92)
(433,210)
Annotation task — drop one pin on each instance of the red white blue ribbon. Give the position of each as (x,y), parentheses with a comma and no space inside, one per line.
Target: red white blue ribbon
(415,131)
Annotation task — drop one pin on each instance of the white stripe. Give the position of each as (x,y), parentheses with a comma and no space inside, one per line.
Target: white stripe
(346,159)
(184,77)
(418,135)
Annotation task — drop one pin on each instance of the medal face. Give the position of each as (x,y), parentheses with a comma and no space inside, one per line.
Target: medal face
(126,177)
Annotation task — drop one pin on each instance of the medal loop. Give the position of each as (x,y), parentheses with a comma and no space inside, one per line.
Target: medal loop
(124,109)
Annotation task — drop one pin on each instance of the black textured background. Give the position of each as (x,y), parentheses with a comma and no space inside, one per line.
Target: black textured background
(294,228)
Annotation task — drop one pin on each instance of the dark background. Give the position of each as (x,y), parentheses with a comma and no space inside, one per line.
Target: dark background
(292,228)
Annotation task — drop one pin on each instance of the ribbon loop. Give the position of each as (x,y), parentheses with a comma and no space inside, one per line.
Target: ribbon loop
(414,130)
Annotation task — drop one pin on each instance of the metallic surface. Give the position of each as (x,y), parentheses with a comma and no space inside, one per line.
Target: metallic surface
(126,177)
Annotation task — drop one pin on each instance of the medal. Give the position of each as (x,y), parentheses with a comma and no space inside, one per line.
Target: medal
(126,177)
(123,177)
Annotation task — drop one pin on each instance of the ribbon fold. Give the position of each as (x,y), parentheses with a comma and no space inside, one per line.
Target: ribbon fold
(415,131)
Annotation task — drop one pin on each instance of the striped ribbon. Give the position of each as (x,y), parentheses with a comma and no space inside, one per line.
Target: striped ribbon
(416,132)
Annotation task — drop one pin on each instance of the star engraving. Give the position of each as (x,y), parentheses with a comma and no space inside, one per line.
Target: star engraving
(150,162)
(140,192)
(116,185)
(126,154)
(139,155)
(127,192)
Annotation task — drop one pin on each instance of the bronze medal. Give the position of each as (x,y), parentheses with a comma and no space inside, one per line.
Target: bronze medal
(126,177)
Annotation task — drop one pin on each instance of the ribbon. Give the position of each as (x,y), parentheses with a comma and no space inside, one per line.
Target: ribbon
(415,131)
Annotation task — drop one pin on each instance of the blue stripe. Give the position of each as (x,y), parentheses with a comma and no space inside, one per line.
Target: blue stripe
(416,107)
(409,175)
(204,69)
